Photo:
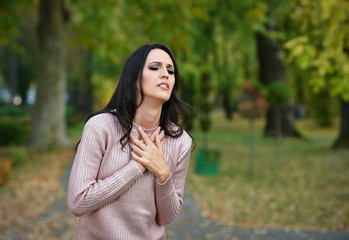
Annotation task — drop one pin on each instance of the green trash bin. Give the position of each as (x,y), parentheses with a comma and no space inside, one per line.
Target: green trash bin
(207,161)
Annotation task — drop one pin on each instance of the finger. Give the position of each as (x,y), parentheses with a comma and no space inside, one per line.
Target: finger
(138,143)
(145,137)
(162,135)
(137,158)
(136,149)
(163,141)
(158,142)
(156,132)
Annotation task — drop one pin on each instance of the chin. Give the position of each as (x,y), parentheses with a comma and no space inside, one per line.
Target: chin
(159,97)
(163,100)
(162,97)
(167,98)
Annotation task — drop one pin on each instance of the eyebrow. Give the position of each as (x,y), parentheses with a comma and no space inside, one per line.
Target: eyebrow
(160,63)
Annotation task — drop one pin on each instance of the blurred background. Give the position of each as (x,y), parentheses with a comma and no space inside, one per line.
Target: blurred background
(268,82)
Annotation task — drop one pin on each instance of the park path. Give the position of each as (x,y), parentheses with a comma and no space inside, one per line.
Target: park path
(57,223)
(189,225)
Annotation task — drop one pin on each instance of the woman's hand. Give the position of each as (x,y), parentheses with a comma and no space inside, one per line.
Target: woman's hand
(152,138)
(150,154)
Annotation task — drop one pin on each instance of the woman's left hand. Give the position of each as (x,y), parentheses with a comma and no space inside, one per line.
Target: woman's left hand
(151,155)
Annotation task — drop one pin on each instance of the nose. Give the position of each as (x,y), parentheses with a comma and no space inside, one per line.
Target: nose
(164,73)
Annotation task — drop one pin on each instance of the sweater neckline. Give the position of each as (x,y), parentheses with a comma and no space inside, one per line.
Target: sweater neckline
(146,130)
(135,126)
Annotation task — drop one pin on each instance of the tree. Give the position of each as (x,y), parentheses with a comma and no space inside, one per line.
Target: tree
(103,35)
(80,88)
(322,47)
(48,116)
(272,70)
(16,39)
(9,15)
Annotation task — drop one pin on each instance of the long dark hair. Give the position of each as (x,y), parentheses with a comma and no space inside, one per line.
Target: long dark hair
(123,103)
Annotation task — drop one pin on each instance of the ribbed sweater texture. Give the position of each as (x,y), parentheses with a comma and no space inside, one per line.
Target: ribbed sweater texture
(111,196)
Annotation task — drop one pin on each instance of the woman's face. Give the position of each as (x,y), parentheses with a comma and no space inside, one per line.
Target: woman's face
(158,76)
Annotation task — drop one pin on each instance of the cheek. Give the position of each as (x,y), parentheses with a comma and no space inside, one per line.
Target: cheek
(145,81)
(173,82)
(146,78)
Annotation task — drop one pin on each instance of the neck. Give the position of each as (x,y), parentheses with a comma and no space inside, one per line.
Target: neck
(148,116)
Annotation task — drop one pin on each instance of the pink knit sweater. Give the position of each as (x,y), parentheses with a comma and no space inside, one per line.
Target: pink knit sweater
(111,196)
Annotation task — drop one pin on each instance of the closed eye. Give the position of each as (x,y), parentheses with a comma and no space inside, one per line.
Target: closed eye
(170,71)
(154,68)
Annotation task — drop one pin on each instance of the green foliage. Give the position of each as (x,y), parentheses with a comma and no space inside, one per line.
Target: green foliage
(13,133)
(321,44)
(9,21)
(11,15)
(17,155)
(13,111)
(322,108)
(205,123)
(204,102)
(72,115)
(76,129)
(278,93)
(13,125)
(205,106)
(188,93)
(217,33)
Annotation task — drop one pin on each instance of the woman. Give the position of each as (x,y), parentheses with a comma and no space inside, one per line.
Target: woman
(129,171)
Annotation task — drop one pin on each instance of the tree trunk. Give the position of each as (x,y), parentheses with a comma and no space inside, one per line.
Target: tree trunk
(321,107)
(25,77)
(271,69)
(343,139)
(228,109)
(187,95)
(13,74)
(48,115)
(87,96)
(287,117)
(81,90)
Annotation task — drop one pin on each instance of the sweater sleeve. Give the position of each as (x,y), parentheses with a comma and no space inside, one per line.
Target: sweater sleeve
(87,193)
(169,195)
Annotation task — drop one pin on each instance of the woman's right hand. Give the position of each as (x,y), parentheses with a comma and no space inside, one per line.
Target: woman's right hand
(152,138)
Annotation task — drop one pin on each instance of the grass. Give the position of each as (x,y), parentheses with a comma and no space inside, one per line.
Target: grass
(309,190)
(33,187)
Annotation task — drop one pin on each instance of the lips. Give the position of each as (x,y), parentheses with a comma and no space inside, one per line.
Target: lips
(164,85)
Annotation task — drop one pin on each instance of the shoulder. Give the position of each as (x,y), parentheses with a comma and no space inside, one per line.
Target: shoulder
(103,121)
(184,139)
(180,146)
